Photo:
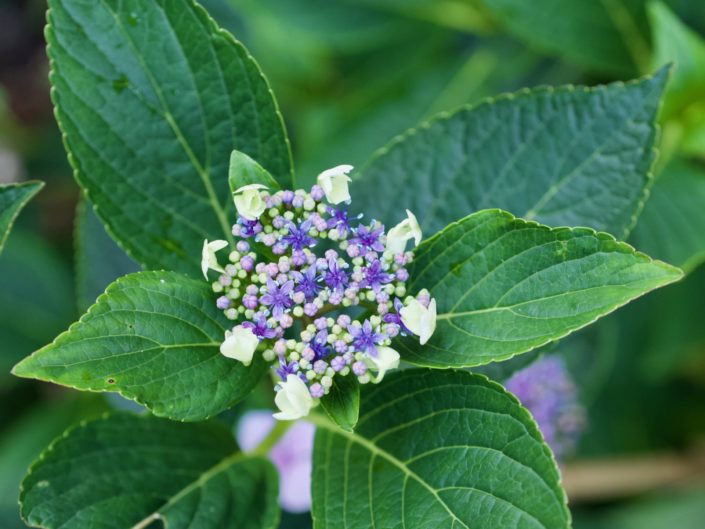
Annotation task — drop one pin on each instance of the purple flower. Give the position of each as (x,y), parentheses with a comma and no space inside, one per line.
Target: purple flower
(248,228)
(365,339)
(298,238)
(284,369)
(336,278)
(278,297)
(338,219)
(548,391)
(308,282)
(375,276)
(319,345)
(223,302)
(260,328)
(291,456)
(368,238)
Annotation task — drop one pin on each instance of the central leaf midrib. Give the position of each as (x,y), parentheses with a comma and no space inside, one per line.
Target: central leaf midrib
(205,177)
(375,450)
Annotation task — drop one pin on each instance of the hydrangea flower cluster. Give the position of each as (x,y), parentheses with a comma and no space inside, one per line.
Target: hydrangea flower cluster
(317,292)
(547,389)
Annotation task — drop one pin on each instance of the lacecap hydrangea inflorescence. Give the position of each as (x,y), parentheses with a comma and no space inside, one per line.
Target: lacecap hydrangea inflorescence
(317,292)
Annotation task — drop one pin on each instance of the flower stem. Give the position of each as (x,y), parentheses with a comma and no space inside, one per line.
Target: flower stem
(280,428)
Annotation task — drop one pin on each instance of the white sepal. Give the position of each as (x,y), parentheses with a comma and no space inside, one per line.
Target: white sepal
(293,399)
(387,359)
(419,319)
(240,344)
(335,183)
(249,202)
(208,259)
(407,229)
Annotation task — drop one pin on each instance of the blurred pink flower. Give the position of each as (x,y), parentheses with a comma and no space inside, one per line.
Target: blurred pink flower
(291,455)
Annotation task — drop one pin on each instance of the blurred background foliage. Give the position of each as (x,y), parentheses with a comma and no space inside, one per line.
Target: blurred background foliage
(349,76)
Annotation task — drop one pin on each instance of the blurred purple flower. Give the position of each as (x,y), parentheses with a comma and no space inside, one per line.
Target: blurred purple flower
(291,455)
(547,389)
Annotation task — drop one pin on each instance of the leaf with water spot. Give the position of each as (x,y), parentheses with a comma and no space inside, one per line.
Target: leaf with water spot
(152,97)
(125,471)
(153,337)
(441,450)
(504,286)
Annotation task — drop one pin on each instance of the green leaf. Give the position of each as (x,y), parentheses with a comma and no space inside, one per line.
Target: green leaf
(23,440)
(246,171)
(342,403)
(13,197)
(504,286)
(605,35)
(570,156)
(437,449)
(672,226)
(674,42)
(99,260)
(128,471)
(152,97)
(153,337)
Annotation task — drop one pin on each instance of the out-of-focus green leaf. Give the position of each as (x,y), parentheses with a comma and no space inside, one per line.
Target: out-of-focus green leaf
(99,260)
(504,286)
(36,298)
(565,157)
(152,98)
(153,337)
(437,449)
(675,42)
(24,440)
(672,225)
(130,471)
(13,197)
(678,509)
(602,35)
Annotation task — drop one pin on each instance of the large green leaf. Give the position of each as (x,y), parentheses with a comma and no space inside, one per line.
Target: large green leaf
(127,471)
(98,259)
(13,197)
(504,286)
(152,97)
(153,337)
(603,35)
(437,450)
(565,157)
(672,226)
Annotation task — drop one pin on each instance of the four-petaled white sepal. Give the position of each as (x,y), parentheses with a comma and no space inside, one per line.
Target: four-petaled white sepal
(240,344)
(249,202)
(419,319)
(387,359)
(335,183)
(293,399)
(407,229)
(208,259)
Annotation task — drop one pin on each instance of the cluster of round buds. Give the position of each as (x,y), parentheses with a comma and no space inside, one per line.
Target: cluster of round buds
(301,270)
